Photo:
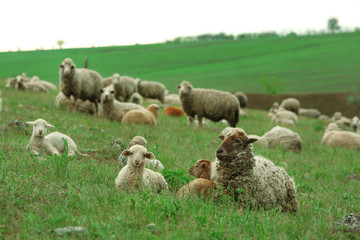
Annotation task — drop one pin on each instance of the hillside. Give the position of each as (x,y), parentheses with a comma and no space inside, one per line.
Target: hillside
(324,63)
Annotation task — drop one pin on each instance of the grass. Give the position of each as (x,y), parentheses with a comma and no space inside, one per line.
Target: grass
(323,63)
(39,194)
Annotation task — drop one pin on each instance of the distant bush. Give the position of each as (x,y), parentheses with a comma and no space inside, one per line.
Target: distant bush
(272,86)
(353,98)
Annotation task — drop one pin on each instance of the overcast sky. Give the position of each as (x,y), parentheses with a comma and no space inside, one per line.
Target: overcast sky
(83,23)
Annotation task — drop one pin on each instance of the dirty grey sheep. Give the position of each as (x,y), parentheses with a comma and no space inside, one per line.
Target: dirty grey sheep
(242,98)
(291,104)
(152,89)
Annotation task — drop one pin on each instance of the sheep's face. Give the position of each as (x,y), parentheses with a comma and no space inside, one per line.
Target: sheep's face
(154,108)
(185,88)
(40,127)
(337,116)
(201,169)
(137,155)
(107,94)
(67,68)
(332,127)
(233,143)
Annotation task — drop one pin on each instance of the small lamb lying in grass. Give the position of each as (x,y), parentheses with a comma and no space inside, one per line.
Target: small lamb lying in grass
(53,143)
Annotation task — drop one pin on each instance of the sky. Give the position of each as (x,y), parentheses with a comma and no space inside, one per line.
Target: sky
(39,24)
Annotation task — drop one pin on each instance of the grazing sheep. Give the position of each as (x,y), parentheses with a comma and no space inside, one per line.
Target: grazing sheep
(53,143)
(146,116)
(291,104)
(80,83)
(309,112)
(135,175)
(354,122)
(335,137)
(174,111)
(152,89)
(113,109)
(202,185)
(149,163)
(262,183)
(136,98)
(78,105)
(242,98)
(173,99)
(212,104)
(340,120)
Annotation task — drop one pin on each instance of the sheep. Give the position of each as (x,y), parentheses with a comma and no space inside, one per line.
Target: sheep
(172,99)
(309,112)
(202,185)
(53,143)
(147,116)
(273,109)
(124,87)
(135,175)
(113,109)
(334,137)
(78,105)
(152,89)
(242,98)
(81,83)
(324,118)
(285,117)
(354,122)
(136,98)
(47,85)
(149,163)
(291,104)
(174,111)
(341,120)
(262,184)
(29,86)
(212,104)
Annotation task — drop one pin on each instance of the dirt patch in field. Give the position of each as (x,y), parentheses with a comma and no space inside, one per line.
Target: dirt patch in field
(326,103)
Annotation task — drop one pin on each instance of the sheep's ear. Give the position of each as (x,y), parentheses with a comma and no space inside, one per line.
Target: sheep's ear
(149,155)
(30,123)
(62,66)
(249,140)
(203,165)
(125,153)
(49,125)
(221,137)
(179,86)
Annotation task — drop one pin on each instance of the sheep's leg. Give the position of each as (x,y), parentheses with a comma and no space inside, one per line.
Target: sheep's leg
(200,121)
(53,151)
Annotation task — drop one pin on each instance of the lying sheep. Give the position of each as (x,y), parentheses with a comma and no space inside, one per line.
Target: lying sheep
(29,86)
(53,143)
(242,98)
(113,109)
(152,89)
(340,120)
(212,104)
(135,175)
(282,116)
(291,104)
(262,183)
(78,105)
(143,116)
(324,118)
(335,137)
(309,112)
(173,99)
(149,163)
(174,111)
(47,85)
(202,185)
(80,83)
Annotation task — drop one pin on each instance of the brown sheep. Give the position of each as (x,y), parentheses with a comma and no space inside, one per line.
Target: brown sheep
(147,116)
(174,111)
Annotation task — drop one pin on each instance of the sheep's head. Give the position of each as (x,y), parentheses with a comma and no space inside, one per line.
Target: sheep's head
(337,116)
(201,169)
(107,94)
(67,68)
(137,155)
(233,143)
(154,108)
(185,88)
(19,83)
(332,127)
(138,140)
(40,127)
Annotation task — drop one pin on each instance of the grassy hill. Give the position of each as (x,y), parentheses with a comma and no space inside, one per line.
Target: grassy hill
(324,63)
(39,194)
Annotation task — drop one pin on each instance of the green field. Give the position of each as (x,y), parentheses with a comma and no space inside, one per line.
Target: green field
(39,194)
(323,63)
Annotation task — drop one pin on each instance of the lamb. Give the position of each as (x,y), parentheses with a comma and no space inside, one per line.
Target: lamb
(149,163)
(341,120)
(113,109)
(334,137)
(53,143)
(212,104)
(242,98)
(174,111)
(152,89)
(147,116)
(135,175)
(81,83)
(136,98)
(202,185)
(173,99)
(262,183)
(291,104)
(71,104)
(309,112)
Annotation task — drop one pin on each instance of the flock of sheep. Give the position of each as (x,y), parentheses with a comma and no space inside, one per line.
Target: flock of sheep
(119,98)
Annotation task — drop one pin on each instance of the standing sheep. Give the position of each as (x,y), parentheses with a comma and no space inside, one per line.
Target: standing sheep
(334,137)
(152,89)
(262,183)
(291,104)
(242,98)
(80,83)
(145,116)
(212,104)
(124,86)
(309,112)
(53,143)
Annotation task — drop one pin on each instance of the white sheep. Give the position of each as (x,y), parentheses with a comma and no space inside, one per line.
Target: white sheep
(113,109)
(335,137)
(45,84)
(340,120)
(135,175)
(309,112)
(283,116)
(29,86)
(291,104)
(212,104)
(262,183)
(172,99)
(124,86)
(151,89)
(80,83)
(354,122)
(136,98)
(53,143)
(142,116)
